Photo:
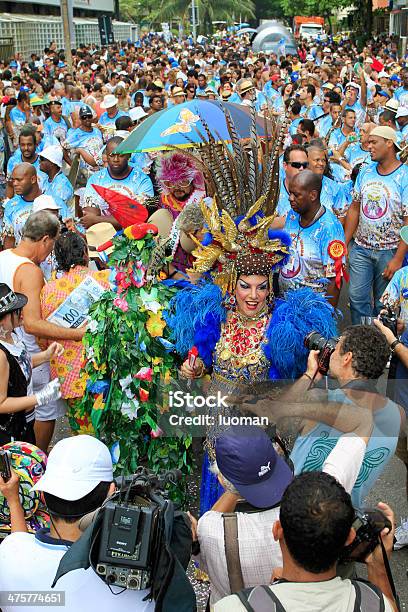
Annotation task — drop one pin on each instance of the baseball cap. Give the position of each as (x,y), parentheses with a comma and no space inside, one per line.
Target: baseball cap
(327,50)
(109,101)
(75,467)
(383,93)
(386,132)
(137,113)
(401,112)
(275,77)
(54,100)
(45,202)
(383,75)
(246,457)
(309,58)
(85,111)
(54,154)
(97,235)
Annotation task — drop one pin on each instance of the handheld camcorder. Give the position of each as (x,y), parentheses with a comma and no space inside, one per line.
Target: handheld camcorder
(326,346)
(368,525)
(131,537)
(5,465)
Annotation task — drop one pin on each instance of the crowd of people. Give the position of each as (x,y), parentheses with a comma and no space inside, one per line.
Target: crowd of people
(289,230)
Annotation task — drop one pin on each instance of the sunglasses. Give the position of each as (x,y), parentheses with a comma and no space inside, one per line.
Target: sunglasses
(182,184)
(298,165)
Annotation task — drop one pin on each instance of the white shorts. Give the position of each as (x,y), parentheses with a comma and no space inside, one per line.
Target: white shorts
(56,408)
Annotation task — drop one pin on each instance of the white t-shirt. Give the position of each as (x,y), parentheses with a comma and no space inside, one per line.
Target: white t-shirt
(328,596)
(29,563)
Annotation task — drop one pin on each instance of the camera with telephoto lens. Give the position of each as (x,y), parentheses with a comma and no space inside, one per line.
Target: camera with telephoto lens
(368,524)
(326,346)
(127,550)
(389,319)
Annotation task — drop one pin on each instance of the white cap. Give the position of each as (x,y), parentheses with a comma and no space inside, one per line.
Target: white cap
(401,112)
(354,85)
(327,50)
(137,113)
(45,202)
(309,58)
(109,101)
(75,467)
(122,133)
(54,154)
(383,74)
(94,66)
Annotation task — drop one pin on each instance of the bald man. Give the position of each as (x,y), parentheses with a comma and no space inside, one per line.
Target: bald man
(317,240)
(19,207)
(17,210)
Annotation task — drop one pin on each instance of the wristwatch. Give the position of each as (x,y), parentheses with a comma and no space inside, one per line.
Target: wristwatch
(394,344)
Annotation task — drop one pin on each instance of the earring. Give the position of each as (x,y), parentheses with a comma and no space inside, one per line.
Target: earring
(230,302)
(270,301)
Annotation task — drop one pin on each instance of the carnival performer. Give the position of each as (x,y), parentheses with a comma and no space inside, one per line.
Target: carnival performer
(182,187)
(230,322)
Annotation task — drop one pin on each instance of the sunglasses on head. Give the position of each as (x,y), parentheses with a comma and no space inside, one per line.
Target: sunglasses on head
(298,165)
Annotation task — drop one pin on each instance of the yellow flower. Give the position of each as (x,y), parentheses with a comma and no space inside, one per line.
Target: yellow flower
(157,360)
(99,404)
(62,370)
(155,325)
(61,283)
(69,354)
(79,386)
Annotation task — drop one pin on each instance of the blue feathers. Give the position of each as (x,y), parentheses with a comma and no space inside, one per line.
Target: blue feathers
(207,239)
(281,235)
(195,315)
(301,312)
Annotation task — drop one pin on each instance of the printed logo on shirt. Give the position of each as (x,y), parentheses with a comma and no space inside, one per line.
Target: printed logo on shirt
(376,203)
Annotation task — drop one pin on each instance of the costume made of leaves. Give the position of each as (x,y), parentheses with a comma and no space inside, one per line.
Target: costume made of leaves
(129,361)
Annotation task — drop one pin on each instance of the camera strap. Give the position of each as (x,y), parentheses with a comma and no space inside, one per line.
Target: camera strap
(389,573)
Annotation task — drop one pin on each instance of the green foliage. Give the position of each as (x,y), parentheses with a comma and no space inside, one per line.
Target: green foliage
(128,367)
(323,8)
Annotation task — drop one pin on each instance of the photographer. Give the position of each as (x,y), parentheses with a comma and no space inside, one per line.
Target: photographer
(315,524)
(78,478)
(357,361)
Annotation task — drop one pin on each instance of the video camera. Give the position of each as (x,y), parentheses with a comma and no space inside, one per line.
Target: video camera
(389,319)
(127,551)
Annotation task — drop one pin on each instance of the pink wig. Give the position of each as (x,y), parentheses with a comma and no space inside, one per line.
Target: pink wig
(178,167)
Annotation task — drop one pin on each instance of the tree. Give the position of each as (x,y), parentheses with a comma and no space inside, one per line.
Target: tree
(208,11)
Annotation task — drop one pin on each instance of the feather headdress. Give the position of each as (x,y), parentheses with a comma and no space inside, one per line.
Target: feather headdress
(243,179)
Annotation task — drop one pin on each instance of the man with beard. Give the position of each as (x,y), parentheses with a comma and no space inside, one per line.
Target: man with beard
(26,153)
(118,177)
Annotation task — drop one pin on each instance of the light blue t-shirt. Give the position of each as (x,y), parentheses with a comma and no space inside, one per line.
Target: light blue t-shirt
(337,138)
(360,112)
(401,94)
(332,197)
(354,155)
(383,204)
(311,451)
(17,116)
(310,264)
(323,125)
(58,129)
(396,293)
(137,185)
(108,123)
(16,212)
(81,139)
(60,189)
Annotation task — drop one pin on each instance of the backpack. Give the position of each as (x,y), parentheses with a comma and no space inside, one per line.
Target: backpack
(262,599)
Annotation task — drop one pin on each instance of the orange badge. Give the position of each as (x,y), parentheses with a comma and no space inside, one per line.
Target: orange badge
(336,249)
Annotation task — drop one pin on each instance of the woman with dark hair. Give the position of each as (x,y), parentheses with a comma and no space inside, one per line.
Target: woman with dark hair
(71,254)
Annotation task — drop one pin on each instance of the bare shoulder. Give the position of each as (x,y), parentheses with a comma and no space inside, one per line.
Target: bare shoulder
(28,276)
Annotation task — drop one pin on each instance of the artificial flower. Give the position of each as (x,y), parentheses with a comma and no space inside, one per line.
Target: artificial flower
(121,303)
(129,409)
(144,395)
(149,300)
(144,374)
(125,382)
(99,404)
(155,325)
(92,326)
(115,452)
(138,275)
(156,433)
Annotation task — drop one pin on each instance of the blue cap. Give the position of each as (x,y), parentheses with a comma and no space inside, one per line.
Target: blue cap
(246,457)
(395,78)
(13,64)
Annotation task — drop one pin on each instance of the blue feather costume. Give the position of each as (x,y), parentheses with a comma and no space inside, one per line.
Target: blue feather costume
(197,317)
